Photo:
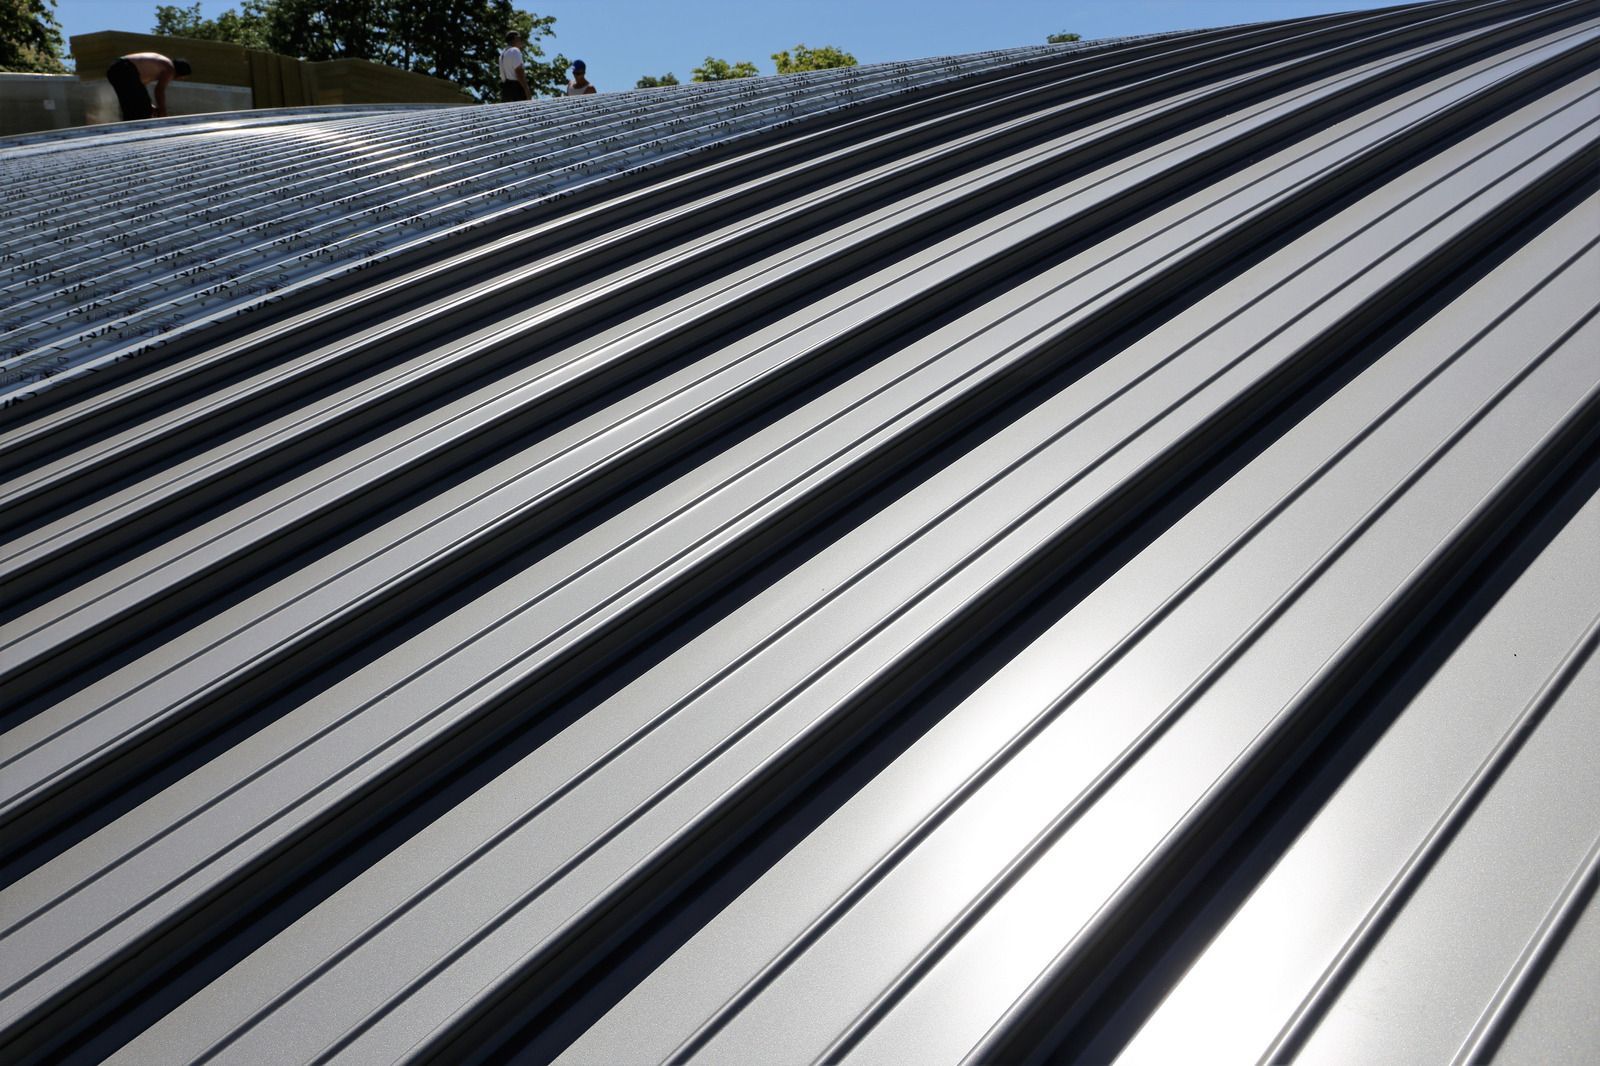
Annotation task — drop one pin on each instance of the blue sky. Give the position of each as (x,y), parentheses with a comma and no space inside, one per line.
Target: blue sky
(622,39)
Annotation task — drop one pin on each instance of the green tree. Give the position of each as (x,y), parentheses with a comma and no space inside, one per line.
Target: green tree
(652,82)
(457,40)
(825,58)
(247,26)
(30,37)
(334,29)
(1062,38)
(714,69)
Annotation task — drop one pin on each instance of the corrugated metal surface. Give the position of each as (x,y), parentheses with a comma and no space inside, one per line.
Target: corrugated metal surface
(1097,564)
(279,205)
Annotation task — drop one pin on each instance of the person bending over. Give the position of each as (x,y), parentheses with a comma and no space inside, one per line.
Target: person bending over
(131,73)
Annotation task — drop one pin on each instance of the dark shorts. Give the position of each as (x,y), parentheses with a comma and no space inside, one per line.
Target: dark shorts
(511,90)
(131,93)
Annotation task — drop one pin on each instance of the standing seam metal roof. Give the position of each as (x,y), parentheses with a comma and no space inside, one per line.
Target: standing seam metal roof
(1094,563)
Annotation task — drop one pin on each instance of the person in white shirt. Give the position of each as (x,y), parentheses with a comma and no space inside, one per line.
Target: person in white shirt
(579,85)
(513,77)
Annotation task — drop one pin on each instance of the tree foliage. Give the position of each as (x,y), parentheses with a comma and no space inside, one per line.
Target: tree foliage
(457,40)
(1062,38)
(714,69)
(651,82)
(825,58)
(247,26)
(30,37)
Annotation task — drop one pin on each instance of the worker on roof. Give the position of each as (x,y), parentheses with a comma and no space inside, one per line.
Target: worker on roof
(513,75)
(579,85)
(131,73)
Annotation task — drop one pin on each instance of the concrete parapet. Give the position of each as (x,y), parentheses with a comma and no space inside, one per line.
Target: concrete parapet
(33,102)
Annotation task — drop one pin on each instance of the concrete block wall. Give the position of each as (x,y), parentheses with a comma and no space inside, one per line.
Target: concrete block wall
(227,77)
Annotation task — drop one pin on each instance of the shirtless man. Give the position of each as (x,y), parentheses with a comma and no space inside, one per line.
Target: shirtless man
(579,85)
(130,74)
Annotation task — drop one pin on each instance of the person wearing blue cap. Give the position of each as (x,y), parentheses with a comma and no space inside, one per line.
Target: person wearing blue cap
(579,85)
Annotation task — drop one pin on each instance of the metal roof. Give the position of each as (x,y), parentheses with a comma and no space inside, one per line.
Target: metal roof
(1086,554)
(260,206)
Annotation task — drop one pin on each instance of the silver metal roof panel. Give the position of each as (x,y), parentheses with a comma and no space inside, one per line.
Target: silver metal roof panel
(1088,565)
